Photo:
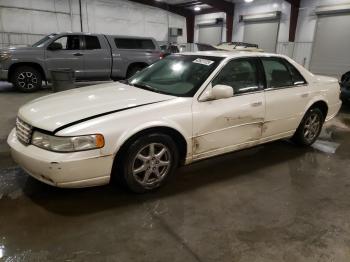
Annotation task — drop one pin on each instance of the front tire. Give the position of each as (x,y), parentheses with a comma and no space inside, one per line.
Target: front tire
(26,79)
(309,128)
(149,162)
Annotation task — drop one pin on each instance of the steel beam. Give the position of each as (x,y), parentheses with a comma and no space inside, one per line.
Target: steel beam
(294,15)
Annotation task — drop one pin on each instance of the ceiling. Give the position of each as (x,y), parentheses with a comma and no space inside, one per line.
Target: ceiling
(191,4)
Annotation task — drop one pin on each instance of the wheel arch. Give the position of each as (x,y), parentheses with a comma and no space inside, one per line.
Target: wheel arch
(178,137)
(37,66)
(322,105)
(131,65)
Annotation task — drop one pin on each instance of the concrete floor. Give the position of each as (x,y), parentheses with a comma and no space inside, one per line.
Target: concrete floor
(275,202)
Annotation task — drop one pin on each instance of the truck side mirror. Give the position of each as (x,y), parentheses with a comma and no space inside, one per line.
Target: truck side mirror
(55,46)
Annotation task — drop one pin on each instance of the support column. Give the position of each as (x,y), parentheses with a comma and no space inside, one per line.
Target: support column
(229,25)
(294,14)
(190,28)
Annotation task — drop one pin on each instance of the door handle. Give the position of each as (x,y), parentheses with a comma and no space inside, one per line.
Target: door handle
(256,104)
(304,95)
(78,54)
(116,55)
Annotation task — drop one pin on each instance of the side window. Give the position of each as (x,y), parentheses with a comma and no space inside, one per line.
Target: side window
(70,42)
(240,74)
(147,44)
(129,43)
(92,42)
(276,72)
(298,79)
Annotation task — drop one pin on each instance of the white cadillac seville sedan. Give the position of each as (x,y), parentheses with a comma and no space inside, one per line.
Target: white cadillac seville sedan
(181,109)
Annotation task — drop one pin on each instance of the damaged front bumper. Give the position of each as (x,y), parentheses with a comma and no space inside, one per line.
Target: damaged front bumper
(70,170)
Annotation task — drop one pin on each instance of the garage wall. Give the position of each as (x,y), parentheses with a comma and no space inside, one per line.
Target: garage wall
(24,22)
(127,18)
(306,28)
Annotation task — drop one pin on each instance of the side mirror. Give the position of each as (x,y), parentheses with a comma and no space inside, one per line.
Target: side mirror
(217,92)
(55,46)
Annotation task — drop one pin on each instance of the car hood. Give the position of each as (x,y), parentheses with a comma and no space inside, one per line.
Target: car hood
(55,111)
(18,48)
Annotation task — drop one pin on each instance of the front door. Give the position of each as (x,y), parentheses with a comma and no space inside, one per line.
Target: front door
(224,125)
(69,57)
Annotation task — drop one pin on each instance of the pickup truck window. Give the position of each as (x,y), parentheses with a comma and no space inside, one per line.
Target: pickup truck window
(177,75)
(70,42)
(92,42)
(131,43)
(43,40)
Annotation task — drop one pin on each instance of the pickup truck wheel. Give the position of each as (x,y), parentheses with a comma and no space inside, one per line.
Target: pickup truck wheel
(345,80)
(309,128)
(26,79)
(133,70)
(149,162)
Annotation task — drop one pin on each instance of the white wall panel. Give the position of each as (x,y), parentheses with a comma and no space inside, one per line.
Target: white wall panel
(41,17)
(285,48)
(302,53)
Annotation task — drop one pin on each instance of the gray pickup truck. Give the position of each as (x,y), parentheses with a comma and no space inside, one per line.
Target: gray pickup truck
(91,56)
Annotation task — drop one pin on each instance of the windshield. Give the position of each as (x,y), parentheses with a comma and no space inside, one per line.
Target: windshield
(178,75)
(43,41)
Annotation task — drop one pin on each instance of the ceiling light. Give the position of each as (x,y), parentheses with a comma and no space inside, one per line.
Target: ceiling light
(248,1)
(197,8)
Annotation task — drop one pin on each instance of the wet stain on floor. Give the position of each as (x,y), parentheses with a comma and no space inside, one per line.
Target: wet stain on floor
(275,202)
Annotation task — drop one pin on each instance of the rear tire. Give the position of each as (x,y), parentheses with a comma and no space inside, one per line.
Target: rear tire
(132,70)
(309,128)
(26,79)
(148,163)
(345,80)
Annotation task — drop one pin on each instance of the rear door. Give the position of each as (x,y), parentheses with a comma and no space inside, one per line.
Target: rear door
(70,56)
(97,57)
(286,96)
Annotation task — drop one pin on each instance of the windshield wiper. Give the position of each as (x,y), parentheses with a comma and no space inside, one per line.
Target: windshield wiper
(140,85)
(146,87)
(126,82)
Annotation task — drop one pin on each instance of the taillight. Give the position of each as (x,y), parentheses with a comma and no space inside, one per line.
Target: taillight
(161,56)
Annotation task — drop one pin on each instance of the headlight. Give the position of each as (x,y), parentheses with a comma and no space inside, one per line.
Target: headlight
(67,144)
(4,56)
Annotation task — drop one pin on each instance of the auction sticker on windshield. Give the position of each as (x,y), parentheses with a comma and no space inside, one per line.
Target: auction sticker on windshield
(203,61)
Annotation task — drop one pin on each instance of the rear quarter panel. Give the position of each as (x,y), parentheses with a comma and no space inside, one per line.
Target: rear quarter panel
(322,88)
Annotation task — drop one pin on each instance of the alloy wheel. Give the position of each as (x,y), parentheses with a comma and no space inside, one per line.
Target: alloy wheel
(151,165)
(312,127)
(27,80)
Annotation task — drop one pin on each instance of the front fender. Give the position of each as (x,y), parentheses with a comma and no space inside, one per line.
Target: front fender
(153,124)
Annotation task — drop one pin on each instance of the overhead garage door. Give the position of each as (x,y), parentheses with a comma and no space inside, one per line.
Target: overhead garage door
(331,50)
(210,34)
(263,33)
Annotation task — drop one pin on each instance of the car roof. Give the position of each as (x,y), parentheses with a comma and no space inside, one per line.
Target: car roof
(232,54)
